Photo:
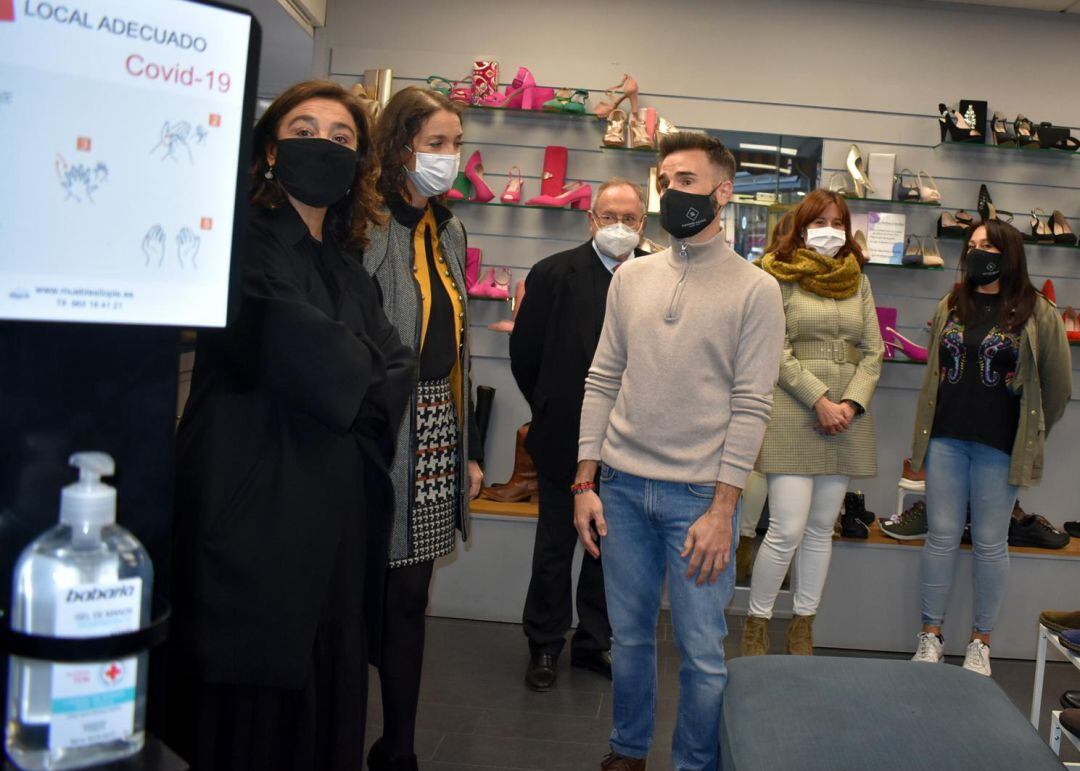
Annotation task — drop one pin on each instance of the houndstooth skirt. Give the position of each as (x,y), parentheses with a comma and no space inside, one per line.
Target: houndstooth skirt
(435,498)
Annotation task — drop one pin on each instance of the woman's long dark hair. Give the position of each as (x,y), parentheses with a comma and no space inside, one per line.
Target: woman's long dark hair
(348,219)
(1017,294)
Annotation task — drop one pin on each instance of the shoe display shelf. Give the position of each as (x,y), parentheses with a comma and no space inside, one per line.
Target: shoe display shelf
(889,202)
(486,508)
(645,151)
(871,600)
(904,267)
(1052,154)
(1056,732)
(1048,637)
(496,205)
(531,113)
(1047,244)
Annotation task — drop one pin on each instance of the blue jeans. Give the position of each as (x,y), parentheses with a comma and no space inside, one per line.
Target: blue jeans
(959,472)
(647,524)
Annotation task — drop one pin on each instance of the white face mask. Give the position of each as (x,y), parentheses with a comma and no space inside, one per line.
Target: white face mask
(435,173)
(826,241)
(617,240)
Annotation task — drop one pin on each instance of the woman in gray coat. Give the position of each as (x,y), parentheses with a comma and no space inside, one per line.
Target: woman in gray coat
(821,432)
(418,261)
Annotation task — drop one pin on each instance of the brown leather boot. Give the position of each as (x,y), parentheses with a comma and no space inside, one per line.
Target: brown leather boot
(800,636)
(523,484)
(755,636)
(613,761)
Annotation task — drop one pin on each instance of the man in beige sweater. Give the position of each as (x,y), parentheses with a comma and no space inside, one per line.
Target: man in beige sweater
(676,404)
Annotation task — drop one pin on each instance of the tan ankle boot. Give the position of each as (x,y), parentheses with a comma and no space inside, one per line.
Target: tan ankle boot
(800,636)
(755,636)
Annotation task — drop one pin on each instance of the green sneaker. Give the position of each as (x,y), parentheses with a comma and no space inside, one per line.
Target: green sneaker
(909,526)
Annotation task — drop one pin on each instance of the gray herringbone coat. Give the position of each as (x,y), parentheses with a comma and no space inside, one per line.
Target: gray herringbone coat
(389,259)
(791,445)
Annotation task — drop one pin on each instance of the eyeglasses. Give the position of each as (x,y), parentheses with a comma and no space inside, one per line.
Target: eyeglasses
(630,220)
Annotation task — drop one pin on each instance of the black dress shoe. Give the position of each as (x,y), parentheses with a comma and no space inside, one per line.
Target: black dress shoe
(597,661)
(540,676)
(1073,529)
(1070,700)
(378,760)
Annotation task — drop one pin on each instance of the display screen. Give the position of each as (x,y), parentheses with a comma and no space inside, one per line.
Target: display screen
(122,124)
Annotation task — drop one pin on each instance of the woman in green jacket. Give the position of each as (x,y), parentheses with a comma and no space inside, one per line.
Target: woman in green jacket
(821,433)
(997,378)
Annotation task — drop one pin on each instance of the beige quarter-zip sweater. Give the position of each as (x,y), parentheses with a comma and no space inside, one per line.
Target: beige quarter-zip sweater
(681,386)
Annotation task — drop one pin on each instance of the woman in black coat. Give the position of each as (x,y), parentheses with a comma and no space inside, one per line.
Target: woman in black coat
(283,450)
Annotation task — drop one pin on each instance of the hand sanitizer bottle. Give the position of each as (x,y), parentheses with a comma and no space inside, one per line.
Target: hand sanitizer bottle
(86,577)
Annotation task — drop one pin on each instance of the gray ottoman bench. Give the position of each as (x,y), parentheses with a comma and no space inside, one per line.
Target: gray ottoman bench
(783,713)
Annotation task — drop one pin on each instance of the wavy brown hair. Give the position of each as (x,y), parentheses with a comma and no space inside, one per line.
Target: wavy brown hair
(1017,293)
(347,219)
(399,123)
(806,212)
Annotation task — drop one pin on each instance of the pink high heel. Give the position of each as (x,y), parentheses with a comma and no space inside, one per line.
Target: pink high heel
(578,195)
(474,170)
(912,351)
(520,95)
(886,320)
(512,193)
(507,325)
(541,95)
(474,258)
(491,288)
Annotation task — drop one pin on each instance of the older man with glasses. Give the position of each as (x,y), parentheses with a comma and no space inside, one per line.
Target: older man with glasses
(555,335)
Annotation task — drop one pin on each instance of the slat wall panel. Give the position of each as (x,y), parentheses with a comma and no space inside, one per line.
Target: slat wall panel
(875,83)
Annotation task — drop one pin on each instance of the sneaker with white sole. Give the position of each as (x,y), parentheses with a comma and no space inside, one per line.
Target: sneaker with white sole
(977,658)
(931,648)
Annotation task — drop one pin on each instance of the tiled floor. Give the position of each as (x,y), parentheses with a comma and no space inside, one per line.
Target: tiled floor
(476,713)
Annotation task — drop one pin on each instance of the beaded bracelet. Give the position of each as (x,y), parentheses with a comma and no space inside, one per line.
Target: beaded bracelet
(580,488)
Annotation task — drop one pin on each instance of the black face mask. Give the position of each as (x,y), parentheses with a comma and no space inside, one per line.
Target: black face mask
(983,267)
(683,214)
(317,172)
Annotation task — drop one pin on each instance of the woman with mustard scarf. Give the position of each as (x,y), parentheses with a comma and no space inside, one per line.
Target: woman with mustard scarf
(821,432)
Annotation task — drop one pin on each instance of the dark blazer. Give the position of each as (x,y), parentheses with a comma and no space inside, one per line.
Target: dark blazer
(286,434)
(551,348)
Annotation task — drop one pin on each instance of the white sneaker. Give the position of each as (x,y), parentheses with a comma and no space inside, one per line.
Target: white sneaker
(977,658)
(931,649)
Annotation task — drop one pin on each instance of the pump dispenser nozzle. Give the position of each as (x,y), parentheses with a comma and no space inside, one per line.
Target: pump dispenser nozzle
(89,502)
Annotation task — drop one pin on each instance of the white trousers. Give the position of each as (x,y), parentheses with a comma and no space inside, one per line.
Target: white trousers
(802,512)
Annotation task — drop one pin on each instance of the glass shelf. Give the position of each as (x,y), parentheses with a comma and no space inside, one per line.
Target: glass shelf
(1049,244)
(650,151)
(1043,153)
(905,267)
(494,205)
(520,111)
(891,202)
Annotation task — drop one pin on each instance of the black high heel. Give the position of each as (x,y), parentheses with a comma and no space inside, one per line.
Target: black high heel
(954,225)
(1040,231)
(1060,230)
(954,126)
(1002,137)
(1025,133)
(986,204)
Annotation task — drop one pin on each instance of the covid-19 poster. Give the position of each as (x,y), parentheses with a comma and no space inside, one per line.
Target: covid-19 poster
(120,128)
